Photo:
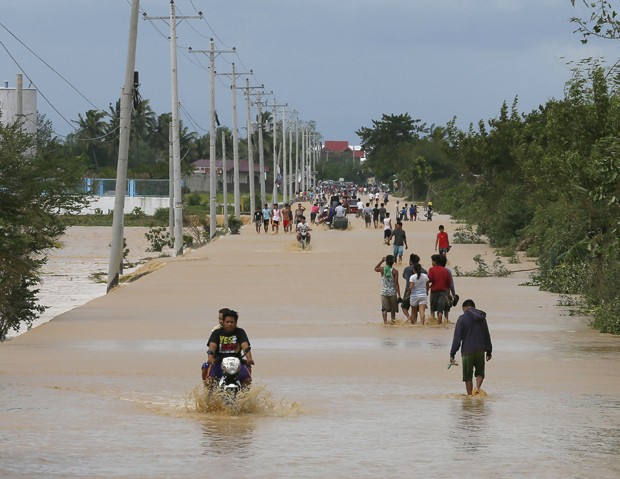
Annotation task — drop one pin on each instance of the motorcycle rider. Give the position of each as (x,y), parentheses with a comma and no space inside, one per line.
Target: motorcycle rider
(227,341)
(302,227)
(205,365)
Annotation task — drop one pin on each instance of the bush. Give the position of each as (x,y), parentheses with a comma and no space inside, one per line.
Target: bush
(162,214)
(234,224)
(158,237)
(466,235)
(193,199)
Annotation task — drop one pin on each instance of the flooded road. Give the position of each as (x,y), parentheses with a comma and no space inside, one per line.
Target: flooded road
(110,389)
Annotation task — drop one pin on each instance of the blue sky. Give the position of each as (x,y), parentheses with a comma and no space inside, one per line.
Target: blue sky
(340,63)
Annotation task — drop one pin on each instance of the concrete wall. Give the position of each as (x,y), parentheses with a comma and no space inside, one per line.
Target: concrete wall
(148,204)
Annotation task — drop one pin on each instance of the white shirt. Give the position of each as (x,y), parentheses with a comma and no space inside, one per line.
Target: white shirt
(418,288)
(340,211)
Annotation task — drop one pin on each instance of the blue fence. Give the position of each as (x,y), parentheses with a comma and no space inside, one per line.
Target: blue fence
(107,187)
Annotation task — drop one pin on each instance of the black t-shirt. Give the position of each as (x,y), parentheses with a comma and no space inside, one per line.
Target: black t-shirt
(228,344)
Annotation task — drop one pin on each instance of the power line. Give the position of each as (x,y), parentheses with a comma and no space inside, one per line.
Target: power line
(33,83)
(210,27)
(49,66)
(191,119)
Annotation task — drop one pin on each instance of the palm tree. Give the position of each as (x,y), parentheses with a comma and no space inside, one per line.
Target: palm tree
(92,130)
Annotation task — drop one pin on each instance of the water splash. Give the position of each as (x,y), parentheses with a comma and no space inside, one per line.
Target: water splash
(255,401)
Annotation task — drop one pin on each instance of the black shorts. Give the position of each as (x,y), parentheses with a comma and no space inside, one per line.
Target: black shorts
(387,233)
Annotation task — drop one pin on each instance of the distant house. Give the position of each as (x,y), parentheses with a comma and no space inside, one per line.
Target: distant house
(337,148)
(199,180)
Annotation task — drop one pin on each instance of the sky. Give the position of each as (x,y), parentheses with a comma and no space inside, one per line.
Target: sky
(339,63)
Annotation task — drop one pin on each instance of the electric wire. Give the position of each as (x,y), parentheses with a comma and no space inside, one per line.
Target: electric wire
(33,83)
(191,119)
(50,67)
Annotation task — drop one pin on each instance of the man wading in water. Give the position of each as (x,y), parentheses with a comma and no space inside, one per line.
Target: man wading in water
(471,335)
(390,289)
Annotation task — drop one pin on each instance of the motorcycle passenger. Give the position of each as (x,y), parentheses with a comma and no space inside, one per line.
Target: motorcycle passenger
(229,341)
(302,227)
(205,366)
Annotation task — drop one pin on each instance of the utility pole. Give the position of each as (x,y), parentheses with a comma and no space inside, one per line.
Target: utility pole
(116,252)
(261,152)
(170,182)
(304,141)
(248,120)
(290,157)
(275,151)
(212,165)
(224,181)
(176,141)
(235,133)
(284,164)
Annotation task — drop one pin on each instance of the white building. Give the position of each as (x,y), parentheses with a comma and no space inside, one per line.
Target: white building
(16,98)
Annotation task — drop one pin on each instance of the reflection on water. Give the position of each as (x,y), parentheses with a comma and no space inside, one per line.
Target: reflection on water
(228,436)
(471,424)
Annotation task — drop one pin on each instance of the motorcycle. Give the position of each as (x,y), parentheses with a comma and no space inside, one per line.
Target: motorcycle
(229,384)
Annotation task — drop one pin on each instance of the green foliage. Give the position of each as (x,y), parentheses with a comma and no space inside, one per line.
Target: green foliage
(36,182)
(162,214)
(339,165)
(603,21)
(234,224)
(100,219)
(138,212)
(483,270)
(547,182)
(159,238)
(386,143)
(193,199)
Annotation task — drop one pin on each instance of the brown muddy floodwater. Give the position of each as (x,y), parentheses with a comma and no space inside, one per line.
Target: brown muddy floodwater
(112,388)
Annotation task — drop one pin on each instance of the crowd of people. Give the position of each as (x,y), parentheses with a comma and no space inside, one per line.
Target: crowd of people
(433,289)
(422,290)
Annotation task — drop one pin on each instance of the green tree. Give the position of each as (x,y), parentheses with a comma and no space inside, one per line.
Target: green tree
(382,143)
(603,20)
(36,183)
(92,132)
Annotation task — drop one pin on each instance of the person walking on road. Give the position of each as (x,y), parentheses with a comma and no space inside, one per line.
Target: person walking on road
(387,228)
(438,284)
(472,337)
(266,217)
(442,242)
(390,288)
(400,241)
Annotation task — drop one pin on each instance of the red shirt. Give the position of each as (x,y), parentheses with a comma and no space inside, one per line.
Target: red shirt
(439,278)
(442,237)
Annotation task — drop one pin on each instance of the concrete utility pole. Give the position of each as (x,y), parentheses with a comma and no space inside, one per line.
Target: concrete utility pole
(224,181)
(292,177)
(304,142)
(248,120)
(170,182)
(275,151)
(294,114)
(116,252)
(237,193)
(212,165)
(176,140)
(261,152)
(284,164)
